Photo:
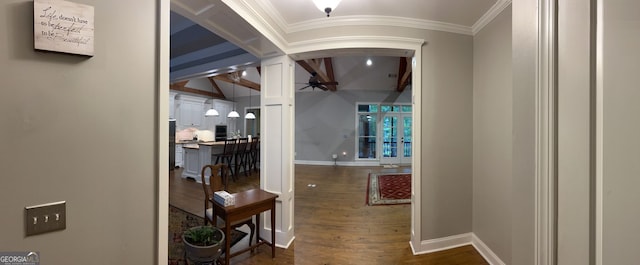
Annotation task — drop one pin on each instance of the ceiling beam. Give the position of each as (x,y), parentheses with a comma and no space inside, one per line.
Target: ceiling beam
(306,66)
(220,94)
(315,64)
(240,81)
(328,65)
(404,73)
(177,87)
(182,87)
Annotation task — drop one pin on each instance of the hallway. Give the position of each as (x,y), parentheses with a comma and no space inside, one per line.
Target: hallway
(333,223)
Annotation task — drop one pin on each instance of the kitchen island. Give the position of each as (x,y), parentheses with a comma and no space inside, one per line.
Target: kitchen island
(196,156)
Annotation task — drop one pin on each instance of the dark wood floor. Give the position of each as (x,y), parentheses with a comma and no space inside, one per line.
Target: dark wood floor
(333,225)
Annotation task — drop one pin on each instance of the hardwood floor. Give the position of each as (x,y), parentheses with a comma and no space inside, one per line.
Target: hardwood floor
(333,225)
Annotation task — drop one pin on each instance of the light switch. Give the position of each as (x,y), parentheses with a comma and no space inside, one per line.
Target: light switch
(45,218)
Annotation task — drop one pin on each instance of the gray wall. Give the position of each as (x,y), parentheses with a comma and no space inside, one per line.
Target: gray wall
(326,123)
(492,125)
(447,135)
(621,144)
(81,130)
(524,43)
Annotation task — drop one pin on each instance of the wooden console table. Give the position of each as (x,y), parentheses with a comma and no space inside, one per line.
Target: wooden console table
(248,203)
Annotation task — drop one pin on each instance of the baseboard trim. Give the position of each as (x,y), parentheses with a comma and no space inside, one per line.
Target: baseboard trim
(286,246)
(283,239)
(485,251)
(443,243)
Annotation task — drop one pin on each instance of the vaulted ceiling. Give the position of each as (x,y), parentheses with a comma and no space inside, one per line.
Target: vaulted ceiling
(208,38)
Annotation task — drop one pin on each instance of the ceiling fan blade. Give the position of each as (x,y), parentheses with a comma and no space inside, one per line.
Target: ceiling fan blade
(303,87)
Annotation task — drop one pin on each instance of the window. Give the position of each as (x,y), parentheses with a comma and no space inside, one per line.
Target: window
(367,131)
(383,130)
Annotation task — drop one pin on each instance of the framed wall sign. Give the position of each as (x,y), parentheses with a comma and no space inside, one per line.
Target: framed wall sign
(63,26)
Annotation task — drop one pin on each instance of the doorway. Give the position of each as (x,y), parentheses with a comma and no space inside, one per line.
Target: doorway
(395,138)
(280,123)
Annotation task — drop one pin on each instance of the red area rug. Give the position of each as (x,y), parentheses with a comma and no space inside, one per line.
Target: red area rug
(388,188)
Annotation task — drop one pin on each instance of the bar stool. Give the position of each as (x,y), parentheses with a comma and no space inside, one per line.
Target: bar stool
(240,155)
(226,156)
(254,153)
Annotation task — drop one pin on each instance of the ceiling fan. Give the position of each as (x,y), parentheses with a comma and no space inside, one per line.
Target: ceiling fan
(314,83)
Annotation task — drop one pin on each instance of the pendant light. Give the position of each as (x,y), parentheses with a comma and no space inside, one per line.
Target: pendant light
(234,113)
(211,112)
(250,115)
(326,5)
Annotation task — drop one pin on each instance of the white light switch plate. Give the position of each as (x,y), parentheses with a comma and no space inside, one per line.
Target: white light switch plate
(45,218)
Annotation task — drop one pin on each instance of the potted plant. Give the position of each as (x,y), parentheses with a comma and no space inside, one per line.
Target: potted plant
(203,243)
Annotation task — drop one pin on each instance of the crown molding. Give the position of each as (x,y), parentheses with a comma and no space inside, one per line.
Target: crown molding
(493,12)
(359,21)
(378,21)
(274,14)
(346,42)
(256,19)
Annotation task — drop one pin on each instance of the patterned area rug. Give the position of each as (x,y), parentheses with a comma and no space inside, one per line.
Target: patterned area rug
(179,221)
(388,188)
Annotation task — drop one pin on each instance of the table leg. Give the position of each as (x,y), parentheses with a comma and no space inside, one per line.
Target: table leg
(227,241)
(273,229)
(257,228)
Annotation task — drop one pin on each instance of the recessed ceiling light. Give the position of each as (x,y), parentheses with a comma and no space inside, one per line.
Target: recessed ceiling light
(369,62)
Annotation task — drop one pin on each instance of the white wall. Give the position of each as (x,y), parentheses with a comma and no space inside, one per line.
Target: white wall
(492,139)
(82,130)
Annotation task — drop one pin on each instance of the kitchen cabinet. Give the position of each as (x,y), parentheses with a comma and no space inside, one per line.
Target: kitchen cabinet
(223,107)
(192,167)
(179,155)
(190,111)
(197,156)
(191,114)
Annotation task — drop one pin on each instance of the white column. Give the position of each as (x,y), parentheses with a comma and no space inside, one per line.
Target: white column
(276,145)
(575,133)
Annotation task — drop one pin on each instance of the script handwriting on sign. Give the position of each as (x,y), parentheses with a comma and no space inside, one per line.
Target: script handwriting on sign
(63,26)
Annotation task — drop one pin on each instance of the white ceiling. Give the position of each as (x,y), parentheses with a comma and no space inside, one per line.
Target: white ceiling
(459,12)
